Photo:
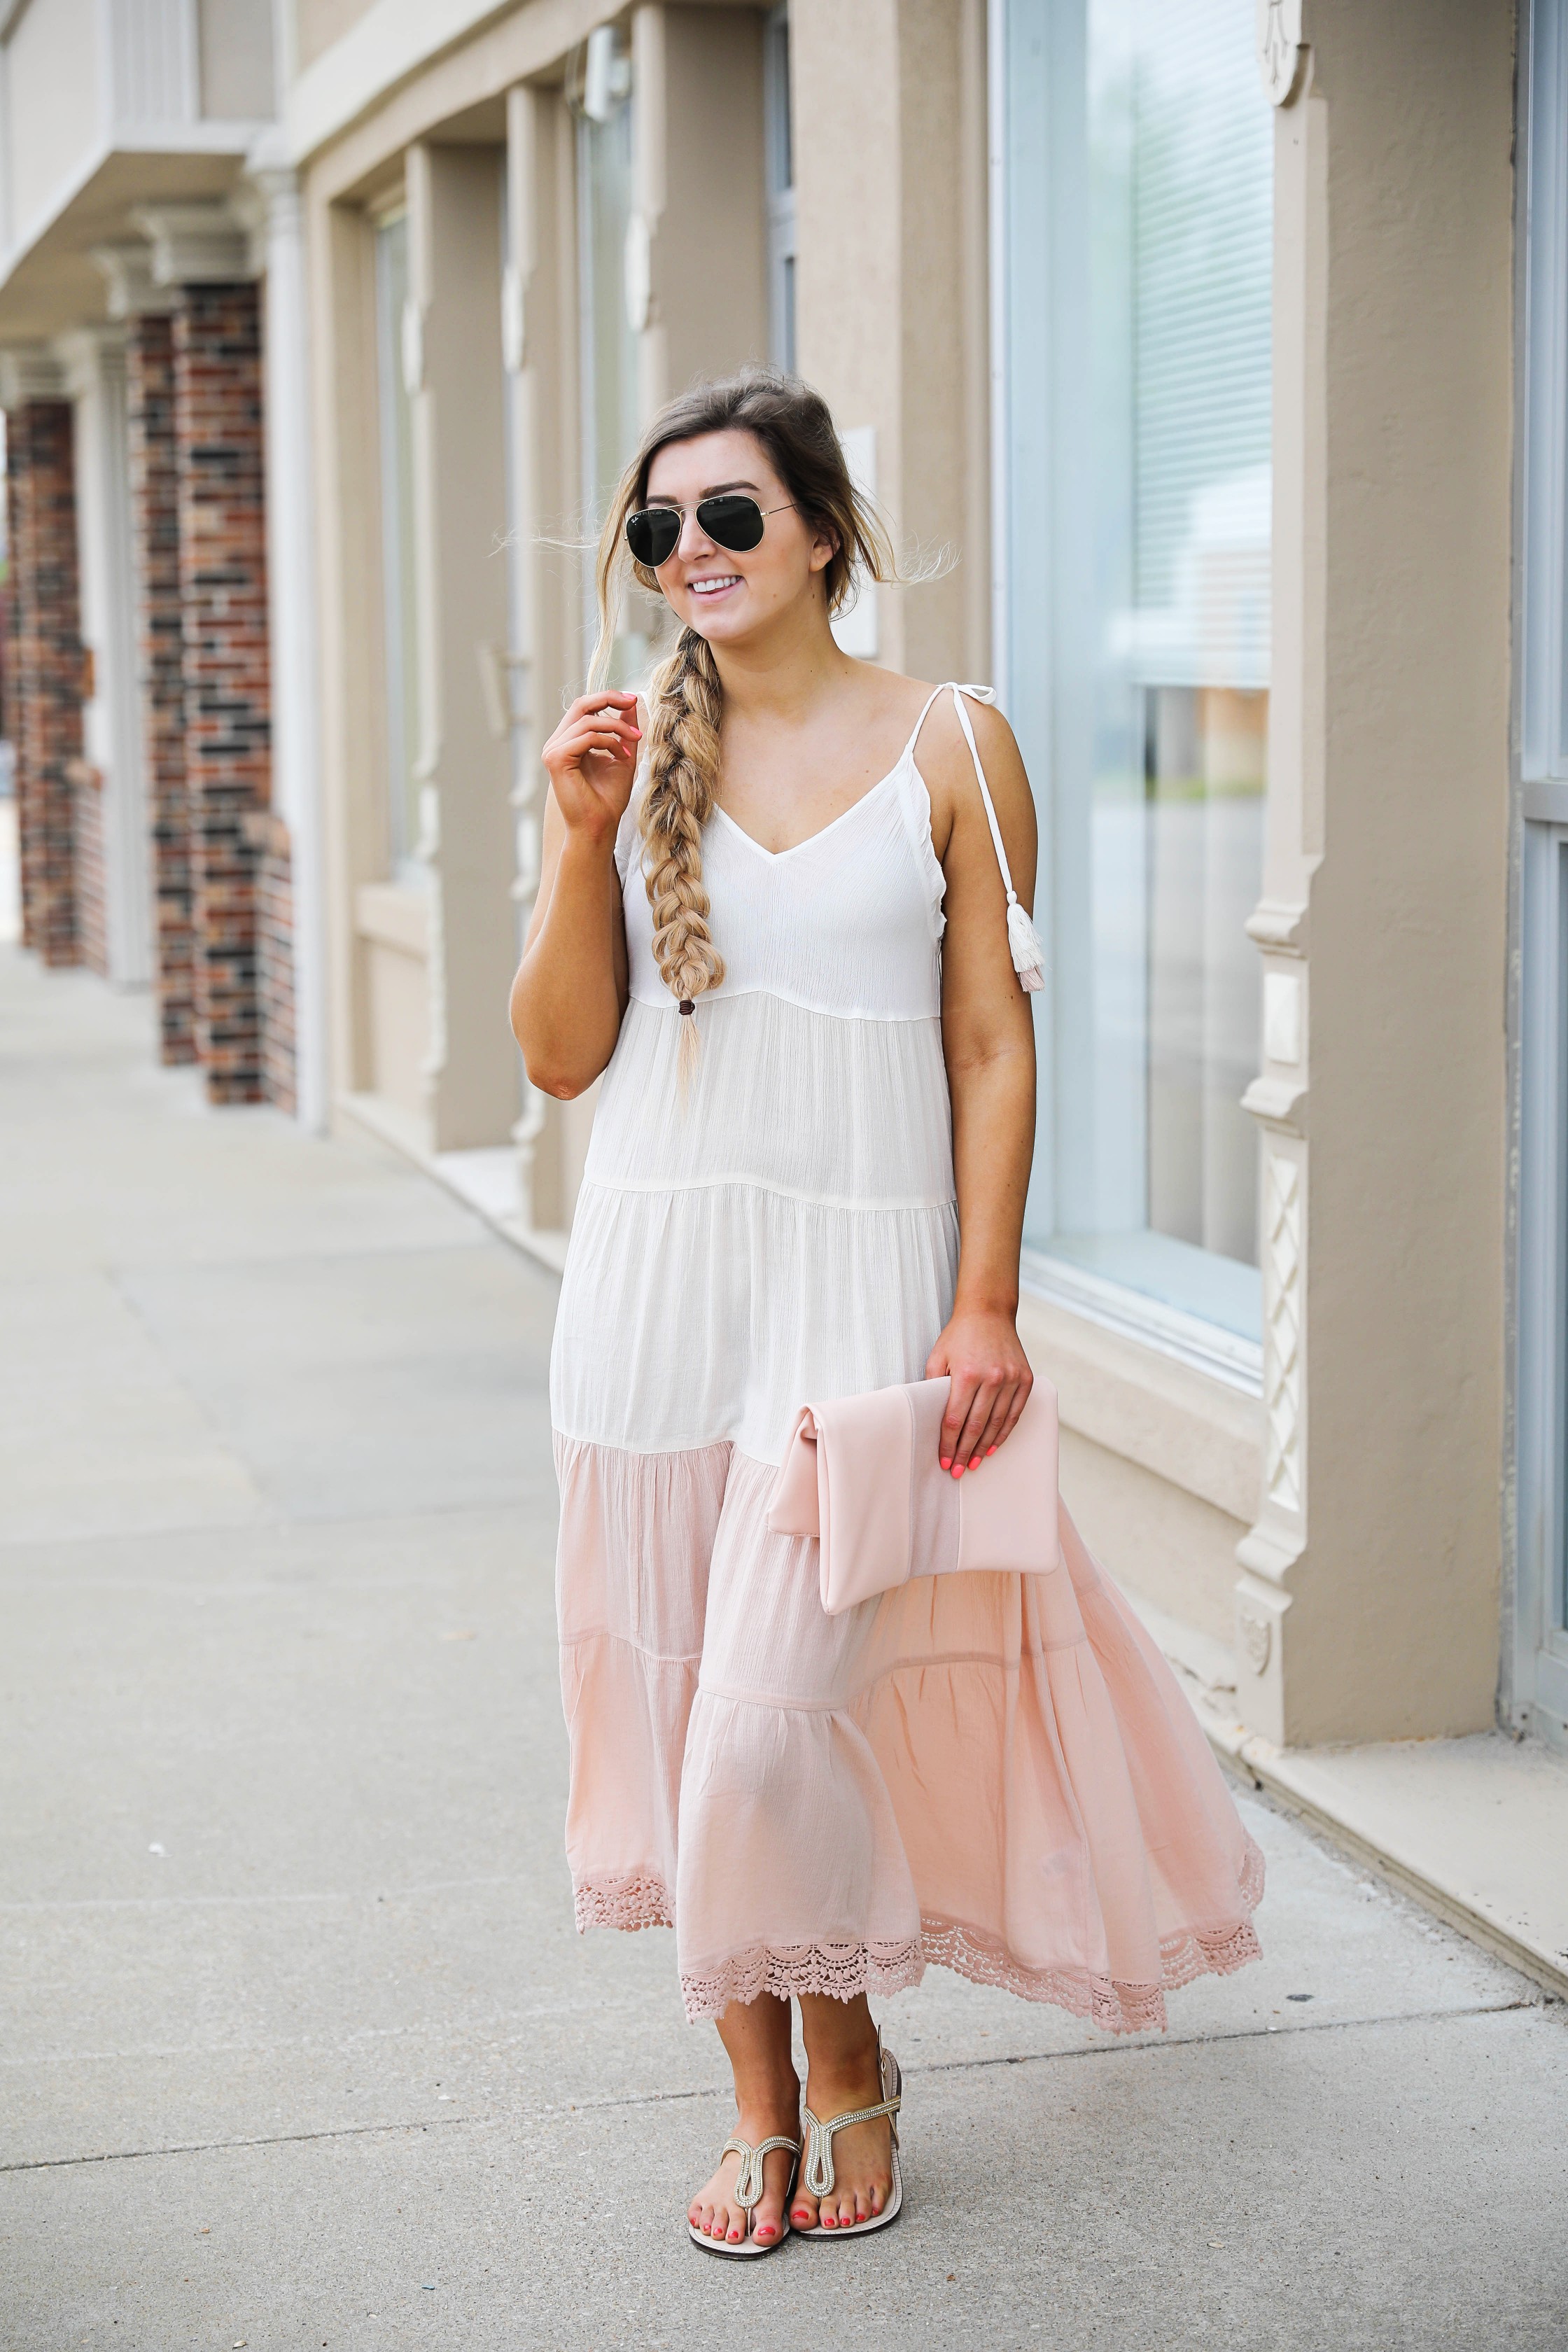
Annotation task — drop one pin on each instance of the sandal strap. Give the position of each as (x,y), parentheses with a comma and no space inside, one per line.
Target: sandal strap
(819,2176)
(748,2188)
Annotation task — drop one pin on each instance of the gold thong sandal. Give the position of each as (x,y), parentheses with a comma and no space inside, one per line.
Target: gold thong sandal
(818,2177)
(748,2194)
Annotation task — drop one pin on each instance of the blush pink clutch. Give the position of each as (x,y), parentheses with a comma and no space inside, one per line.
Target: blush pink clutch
(862,1475)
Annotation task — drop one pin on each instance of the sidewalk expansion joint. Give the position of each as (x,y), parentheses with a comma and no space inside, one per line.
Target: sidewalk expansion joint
(216,2147)
(1121,2047)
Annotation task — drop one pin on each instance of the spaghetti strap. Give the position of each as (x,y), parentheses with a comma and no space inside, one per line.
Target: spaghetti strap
(926,708)
(1024,940)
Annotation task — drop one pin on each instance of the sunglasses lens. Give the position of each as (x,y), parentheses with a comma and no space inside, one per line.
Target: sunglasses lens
(652,534)
(732,521)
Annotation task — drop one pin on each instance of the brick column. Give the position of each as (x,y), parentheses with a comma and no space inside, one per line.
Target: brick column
(223,580)
(160,672)
(14,713)
(47,669)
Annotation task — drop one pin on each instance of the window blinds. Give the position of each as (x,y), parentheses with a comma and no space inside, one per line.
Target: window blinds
(1196,135)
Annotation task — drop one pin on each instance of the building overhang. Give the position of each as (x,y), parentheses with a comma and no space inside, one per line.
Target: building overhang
(52,282)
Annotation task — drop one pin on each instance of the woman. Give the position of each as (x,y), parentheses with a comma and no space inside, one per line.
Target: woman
(778,920)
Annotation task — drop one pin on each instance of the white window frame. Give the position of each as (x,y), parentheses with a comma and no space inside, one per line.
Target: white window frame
(1535,1659)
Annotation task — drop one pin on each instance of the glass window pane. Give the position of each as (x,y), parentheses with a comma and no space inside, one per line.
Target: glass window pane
(609,349)
(1139,226)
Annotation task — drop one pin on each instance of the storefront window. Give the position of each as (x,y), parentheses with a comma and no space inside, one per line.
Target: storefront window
(1137,221)
(397,545)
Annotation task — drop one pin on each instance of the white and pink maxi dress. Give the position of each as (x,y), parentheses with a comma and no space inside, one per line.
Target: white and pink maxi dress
(995,1773)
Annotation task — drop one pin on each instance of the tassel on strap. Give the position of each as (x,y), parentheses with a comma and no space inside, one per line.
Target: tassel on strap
(1023,940)
(1028,955)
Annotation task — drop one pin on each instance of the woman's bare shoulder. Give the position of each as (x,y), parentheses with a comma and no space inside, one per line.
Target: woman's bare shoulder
(948,768)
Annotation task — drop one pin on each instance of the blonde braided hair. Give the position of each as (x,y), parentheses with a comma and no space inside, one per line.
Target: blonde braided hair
(685,708)
(685,695)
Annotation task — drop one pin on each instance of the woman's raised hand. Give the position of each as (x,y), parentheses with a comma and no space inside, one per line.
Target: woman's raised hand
(591,759)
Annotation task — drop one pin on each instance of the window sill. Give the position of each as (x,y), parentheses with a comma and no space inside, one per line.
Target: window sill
(1148,1321)
(1202,1434)
(395,915)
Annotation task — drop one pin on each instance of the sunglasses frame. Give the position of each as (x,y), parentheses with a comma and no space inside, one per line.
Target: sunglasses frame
(727,498)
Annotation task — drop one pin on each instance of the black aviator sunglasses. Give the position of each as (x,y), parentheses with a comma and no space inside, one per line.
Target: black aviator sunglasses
(732,520)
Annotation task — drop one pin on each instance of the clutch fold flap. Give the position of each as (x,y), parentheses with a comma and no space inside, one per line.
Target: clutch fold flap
(861,1474)
(793,1511)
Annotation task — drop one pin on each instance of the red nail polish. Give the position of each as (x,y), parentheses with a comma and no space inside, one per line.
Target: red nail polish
(947,1461)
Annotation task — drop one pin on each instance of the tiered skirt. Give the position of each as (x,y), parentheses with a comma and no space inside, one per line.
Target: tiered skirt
(999,1774)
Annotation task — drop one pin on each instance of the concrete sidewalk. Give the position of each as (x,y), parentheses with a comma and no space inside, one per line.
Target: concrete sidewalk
(302,2047)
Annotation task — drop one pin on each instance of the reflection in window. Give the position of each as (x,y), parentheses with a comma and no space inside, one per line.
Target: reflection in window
(399,636)
(608,344)
(781,187)
(1138,231)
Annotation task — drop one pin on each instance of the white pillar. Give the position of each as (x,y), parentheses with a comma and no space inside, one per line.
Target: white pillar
(94,361)
(291,596)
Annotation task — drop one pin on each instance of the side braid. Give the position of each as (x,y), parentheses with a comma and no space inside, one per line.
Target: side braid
(686,706)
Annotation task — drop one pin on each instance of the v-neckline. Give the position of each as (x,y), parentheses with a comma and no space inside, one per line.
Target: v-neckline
(776,856)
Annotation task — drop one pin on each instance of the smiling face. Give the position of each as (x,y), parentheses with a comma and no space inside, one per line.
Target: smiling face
(728,597)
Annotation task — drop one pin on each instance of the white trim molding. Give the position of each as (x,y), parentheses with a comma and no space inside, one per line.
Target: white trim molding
(30,372)
(391,41)
(278,242)
(1279,46)
(195,245)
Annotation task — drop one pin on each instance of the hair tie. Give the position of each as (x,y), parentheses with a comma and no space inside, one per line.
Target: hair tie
(686,1005)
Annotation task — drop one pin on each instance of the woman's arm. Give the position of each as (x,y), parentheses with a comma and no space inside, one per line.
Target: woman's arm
(571,987)
(988,1042)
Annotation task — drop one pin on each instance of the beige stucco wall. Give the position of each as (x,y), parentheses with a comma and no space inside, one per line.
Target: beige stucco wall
(1370,1608)
(890,204)
(234,40)
(1159,1541)
(459,524)
(319,23)
(54,92)
(698,83)
(1159,1463)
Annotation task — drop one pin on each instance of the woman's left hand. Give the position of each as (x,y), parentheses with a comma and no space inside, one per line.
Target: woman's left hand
(983,1357)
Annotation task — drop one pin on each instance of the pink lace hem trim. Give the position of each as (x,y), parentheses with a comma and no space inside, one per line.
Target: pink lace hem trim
(839,1971)
(1110,2002)
(844,1970)
(641,1899)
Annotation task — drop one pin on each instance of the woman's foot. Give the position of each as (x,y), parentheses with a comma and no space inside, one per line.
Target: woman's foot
(862,2154)
(714,2209)
(756,2038)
